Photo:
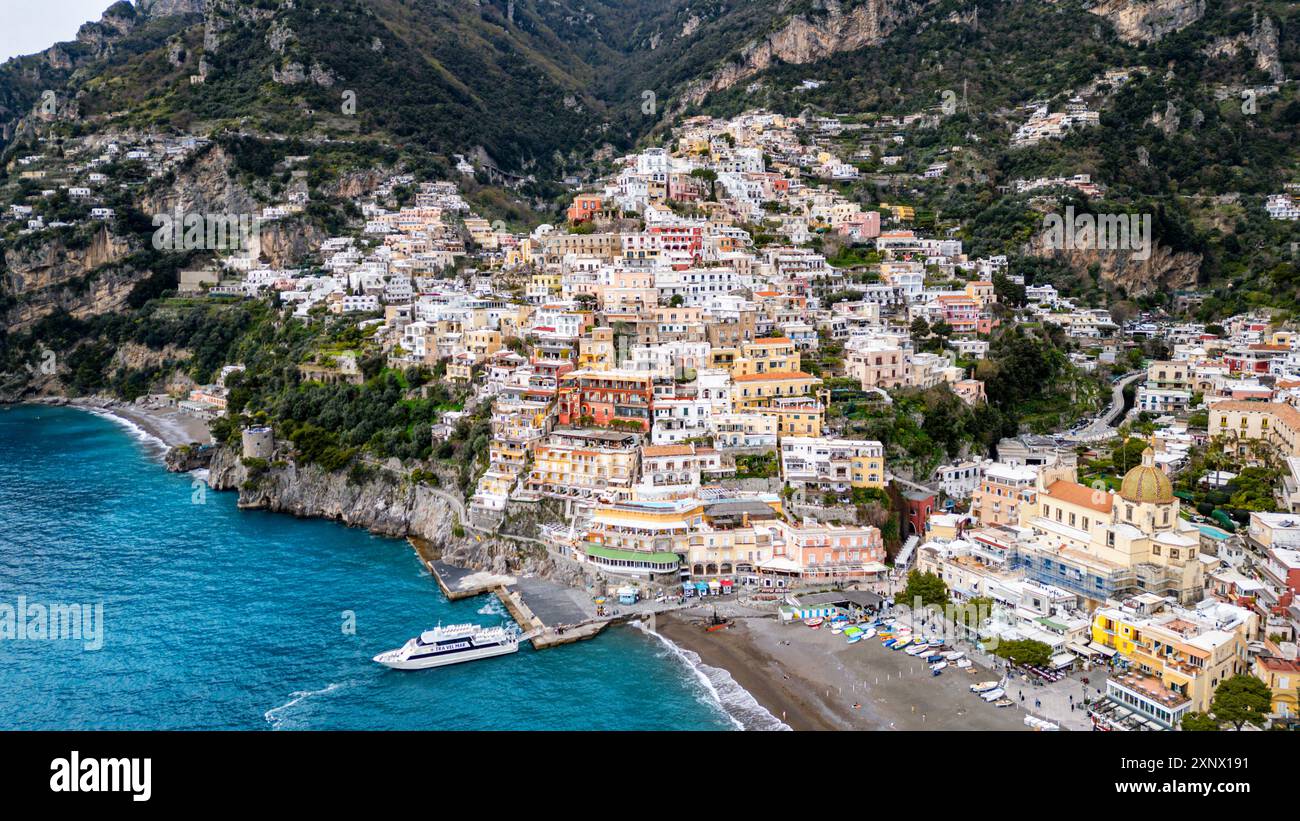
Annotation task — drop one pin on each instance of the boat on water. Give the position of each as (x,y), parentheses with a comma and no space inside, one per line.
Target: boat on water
(451,645)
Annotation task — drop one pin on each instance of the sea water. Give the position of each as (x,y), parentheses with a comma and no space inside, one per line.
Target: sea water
(217,618)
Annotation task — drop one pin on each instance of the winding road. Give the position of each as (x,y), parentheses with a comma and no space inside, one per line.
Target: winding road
(1101,426)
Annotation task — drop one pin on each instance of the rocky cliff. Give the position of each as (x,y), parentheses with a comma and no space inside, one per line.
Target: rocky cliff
(382,502)
(1145,21)
(1164,270)
(54,274)
(806,38)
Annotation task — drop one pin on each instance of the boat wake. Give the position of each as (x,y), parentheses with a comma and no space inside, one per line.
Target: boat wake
(276,715)
(740,707)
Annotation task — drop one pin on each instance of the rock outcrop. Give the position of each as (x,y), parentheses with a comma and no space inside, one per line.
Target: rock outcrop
(53,275)
(1145,21)
(805,39)
(383,503)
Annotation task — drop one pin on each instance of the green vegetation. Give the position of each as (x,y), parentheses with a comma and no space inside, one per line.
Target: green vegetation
(925,587)
(1024,652)
(758,465)
(1240,700)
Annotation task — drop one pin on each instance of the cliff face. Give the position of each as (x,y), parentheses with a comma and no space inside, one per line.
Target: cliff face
(1165,270)
(205,186)
(1262,40)
(51,276)
(382,504)
(1145,21)
(805,39)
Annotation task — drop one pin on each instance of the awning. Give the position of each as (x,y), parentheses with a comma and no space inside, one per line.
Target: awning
(1105,651)
(1062,660)
(780,564)
(1080,650)
(874,567)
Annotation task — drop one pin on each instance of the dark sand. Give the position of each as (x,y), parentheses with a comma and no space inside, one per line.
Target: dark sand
(812,679)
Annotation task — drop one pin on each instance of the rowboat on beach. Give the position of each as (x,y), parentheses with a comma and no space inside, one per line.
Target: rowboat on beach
(983,687)
(869,633)
(814,623)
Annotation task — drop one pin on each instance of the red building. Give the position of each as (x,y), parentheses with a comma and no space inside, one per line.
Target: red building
(606,398)
(919,507)
(584,207)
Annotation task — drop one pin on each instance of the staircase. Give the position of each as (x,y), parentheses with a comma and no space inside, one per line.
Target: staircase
(904,556)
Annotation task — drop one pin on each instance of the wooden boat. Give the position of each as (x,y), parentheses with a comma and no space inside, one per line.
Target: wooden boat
(814,623)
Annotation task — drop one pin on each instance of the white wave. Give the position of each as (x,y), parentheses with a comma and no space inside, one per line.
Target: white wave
(137,432)
(493,607)
(201,474)
(741,708)
(274,716)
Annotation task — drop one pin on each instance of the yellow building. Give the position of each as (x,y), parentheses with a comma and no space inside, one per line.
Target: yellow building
(773,354)
(482,343)
(1282,677)
(758,390)
(585,464)
(1188,655)
(711,538)
(1240,423)
(800,416)
(1108,545)
(596,351)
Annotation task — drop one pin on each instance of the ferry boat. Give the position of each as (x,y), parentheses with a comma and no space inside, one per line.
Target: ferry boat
(451,645)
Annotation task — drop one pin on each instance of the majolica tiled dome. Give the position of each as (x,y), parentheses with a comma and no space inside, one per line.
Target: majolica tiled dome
(1146,482)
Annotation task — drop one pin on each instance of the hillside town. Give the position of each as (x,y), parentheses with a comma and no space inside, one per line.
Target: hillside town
(681,370)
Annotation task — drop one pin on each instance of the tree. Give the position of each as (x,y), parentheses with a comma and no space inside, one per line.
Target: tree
(927,587)
(1199,722)
(1241,700)
(1025,652)
(1128,455)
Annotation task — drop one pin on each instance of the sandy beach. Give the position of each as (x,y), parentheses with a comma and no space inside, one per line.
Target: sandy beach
(167,425)
(815,680)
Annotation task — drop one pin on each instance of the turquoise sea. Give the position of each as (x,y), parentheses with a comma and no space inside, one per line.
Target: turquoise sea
(216,618)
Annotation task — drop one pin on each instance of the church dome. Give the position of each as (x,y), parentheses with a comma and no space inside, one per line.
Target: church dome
(1146,482)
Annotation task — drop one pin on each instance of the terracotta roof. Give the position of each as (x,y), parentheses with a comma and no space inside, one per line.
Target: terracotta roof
(1284,413)
(1081,495)
(667,450)
(771,340)
(1279,665)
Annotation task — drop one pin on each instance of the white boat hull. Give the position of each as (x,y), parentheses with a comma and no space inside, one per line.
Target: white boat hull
(398,661)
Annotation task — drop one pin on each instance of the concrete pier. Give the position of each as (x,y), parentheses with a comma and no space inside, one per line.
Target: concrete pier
(552,614)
